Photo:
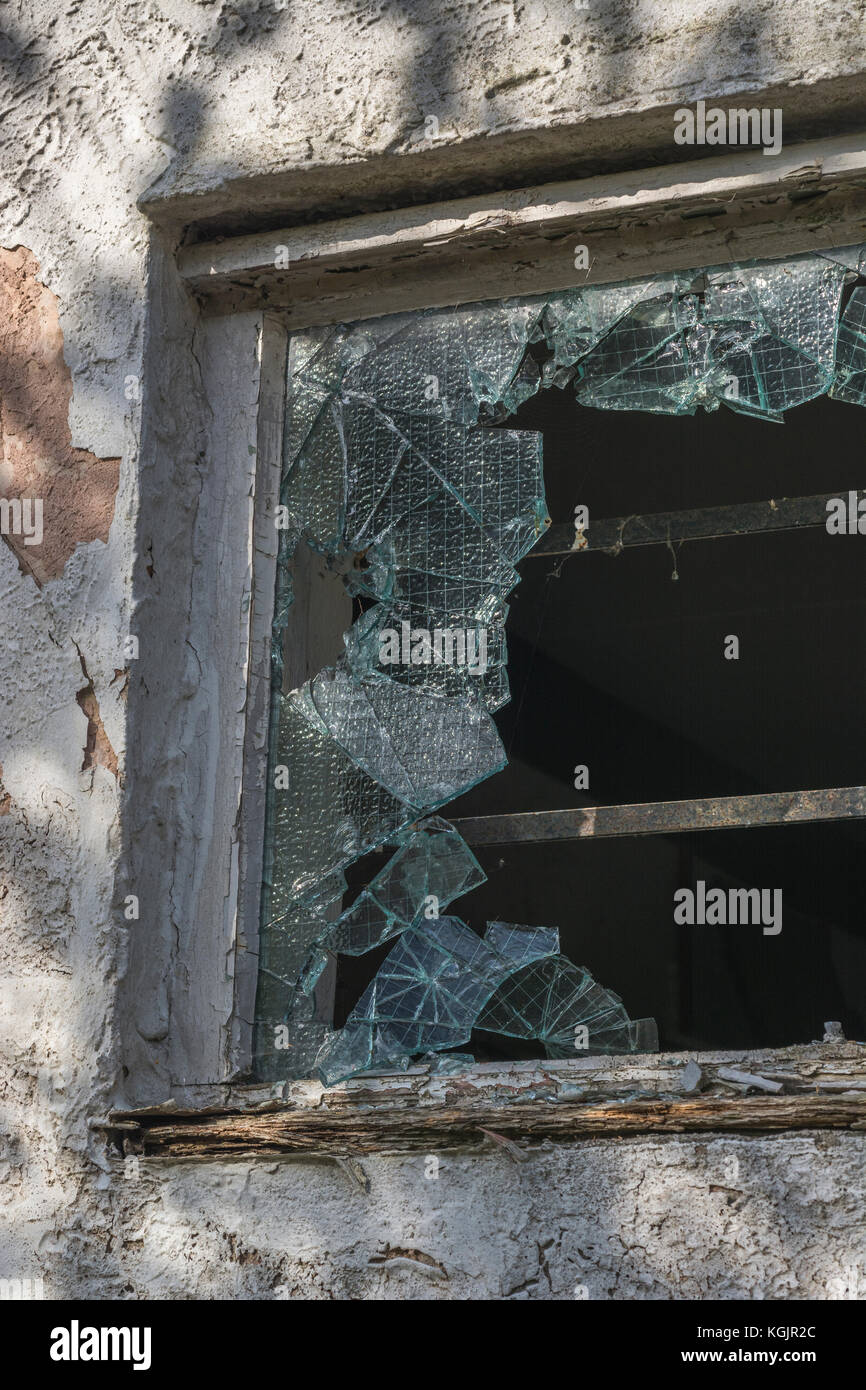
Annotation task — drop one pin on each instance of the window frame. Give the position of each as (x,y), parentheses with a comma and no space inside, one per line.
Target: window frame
(237,300)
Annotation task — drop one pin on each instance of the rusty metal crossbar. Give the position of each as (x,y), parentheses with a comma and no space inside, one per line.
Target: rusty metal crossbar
(666,817)
(612,534)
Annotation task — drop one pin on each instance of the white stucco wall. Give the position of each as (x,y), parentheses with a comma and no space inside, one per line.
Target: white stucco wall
(321,106)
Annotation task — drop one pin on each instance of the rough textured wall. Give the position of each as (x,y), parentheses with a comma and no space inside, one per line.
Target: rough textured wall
(108,104)
(638,1219)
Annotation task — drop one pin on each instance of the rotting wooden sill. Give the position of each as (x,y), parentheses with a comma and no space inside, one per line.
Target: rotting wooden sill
(822,1086)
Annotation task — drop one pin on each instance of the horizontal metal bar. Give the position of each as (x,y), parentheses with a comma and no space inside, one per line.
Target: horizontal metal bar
(666,817)
(612,534)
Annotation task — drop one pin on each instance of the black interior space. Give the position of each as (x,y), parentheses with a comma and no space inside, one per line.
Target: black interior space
(617,665)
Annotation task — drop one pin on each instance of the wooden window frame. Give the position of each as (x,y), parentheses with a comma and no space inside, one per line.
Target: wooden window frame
(243,297)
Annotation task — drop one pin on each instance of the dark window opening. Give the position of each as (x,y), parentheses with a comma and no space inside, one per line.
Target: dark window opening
(616,665)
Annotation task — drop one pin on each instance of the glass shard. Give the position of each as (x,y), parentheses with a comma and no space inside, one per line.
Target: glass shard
(562,1006)
(759,338)
(449,364)
(849,383)
(327,811)
(425,998)
(423,747)
(441,980)
(431,868)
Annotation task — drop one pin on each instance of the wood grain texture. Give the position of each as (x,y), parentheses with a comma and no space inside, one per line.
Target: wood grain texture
(736,207)
(397,1129)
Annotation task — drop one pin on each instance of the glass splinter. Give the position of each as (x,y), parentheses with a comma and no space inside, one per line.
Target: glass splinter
(441,981)
(432,867)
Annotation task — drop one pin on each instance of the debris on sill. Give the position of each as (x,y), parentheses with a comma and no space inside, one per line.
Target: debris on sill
(822,1088)
(691,1078)
(746,1079)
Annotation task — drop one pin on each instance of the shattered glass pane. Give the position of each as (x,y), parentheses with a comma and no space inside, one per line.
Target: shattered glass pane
(394,474)
(641,362)
(759,338)
(328,813)
(450,365)
(424,998)
(850,380)
(551,1001)
(423,747)
(441,980)
(432,867)
(463,653)
(577,320)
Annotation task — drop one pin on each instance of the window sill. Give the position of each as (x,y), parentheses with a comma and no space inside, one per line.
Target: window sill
(820,1086)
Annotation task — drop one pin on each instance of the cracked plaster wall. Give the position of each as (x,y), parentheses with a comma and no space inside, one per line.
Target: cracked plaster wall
(227,108)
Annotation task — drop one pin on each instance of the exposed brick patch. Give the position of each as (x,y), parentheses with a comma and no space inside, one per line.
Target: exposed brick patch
(36,455)
(118,673)
(98,752)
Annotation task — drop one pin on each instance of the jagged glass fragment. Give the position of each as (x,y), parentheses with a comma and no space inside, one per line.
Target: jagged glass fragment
(312,968)
(279,1006)
(423,747)
(329,812)
(496,337)
(849,383)
(303,408)
(554,1001)
(441,980)
(788,338)
(462,508)
(447,364)
(314,488)
(576,320)
(374,450)
(425,998)
(431,868)
(642,361)
(420,369)
(759,338)
(494,476)
(852,257)
(329,354)
(463,651)
(522,944)
(526,382)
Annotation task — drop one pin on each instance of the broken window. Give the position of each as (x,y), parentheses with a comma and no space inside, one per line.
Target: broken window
(412,490)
